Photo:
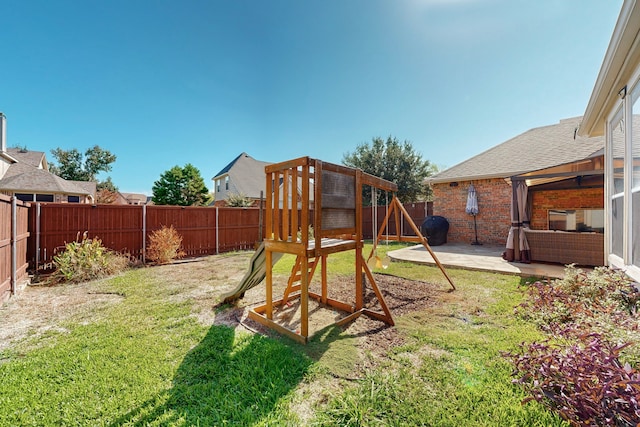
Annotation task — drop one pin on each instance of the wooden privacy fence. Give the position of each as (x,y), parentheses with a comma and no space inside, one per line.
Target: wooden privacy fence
(417,211)
(13,245)
(126,228)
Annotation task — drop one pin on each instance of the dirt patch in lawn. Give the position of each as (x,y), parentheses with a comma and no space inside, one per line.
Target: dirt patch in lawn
(38,309)
(201,281)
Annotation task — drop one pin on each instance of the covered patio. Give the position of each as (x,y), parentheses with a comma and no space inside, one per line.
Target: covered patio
(557,214)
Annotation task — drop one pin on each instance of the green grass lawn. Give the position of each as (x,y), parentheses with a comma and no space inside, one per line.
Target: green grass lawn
(148,361)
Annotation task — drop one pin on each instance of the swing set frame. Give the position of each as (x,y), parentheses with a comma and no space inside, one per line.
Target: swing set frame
(306,191)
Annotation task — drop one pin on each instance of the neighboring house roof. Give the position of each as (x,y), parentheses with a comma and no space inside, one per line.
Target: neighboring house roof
(89,186)
(30,174)
(246,175)
(536,149)
(135,198)
(33,158)
(21,177)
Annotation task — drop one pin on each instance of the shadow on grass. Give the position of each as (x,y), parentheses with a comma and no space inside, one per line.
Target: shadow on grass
(226,379)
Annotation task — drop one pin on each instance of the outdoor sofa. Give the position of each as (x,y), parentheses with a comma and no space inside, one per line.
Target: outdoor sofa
(566,247)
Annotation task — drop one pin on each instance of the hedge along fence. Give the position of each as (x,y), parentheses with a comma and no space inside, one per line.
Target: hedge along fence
(126,228)
(13,245)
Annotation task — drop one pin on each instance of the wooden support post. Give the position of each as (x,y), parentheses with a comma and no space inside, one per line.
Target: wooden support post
(276,207)
(269,206)
(396,217)
(269,284)
(424,242)
(304,298)
(324,278)
(286,231)
(304,212)
(387,317)
(317,206)
(294,205)
(359,284)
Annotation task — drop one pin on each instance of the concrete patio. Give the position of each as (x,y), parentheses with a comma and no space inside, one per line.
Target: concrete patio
(476,257)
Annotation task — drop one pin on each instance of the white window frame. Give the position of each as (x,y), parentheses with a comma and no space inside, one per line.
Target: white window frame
(624,108)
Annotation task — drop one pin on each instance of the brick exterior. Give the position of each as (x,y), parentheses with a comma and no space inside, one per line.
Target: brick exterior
(494,204)
(581,198)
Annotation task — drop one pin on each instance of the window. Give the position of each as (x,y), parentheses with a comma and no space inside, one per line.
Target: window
(616,135)
(226,183)
(217,185)
(584,220)
(24,197)
(44,197)
(73,199)
(634,165)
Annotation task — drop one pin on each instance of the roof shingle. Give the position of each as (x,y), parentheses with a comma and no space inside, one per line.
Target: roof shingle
(536,149)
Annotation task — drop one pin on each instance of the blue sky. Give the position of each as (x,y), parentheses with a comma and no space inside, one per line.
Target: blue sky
(162,83)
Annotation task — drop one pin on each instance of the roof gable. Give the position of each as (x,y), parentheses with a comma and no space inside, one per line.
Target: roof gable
(535,149)
(25,178)
(246,175)
(33,158)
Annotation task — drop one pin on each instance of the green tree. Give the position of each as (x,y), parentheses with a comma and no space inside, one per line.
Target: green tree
(394,161)
(107,184)
(75,166)
(181,187)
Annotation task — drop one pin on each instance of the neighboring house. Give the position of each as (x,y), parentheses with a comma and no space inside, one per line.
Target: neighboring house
(562,172)
(611,113)
(5,159)
(25,174)
(132,199)
(243,176)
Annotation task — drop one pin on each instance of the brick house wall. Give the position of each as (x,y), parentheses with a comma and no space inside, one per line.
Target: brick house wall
(494,205)
(581,198)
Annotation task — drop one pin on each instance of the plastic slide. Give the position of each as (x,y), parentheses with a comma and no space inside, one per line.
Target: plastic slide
(256,274)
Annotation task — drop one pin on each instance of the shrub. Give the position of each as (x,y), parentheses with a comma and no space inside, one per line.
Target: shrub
(87,259)
(164,245)
(593,319)
(585,382)
(603,301)
(238,200)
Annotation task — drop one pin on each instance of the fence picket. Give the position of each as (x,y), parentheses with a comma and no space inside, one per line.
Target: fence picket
(14,232)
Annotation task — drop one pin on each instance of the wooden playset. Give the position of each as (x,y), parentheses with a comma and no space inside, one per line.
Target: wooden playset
(313,210)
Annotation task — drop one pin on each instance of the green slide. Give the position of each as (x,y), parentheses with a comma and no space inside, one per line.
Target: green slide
(256,274)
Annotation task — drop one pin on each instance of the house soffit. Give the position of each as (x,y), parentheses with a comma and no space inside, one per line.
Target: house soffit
(586,167)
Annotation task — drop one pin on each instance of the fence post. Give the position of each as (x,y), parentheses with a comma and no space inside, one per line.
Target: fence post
(144,234)
(14,244)
(37,238)
(217,237)
(260,217)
